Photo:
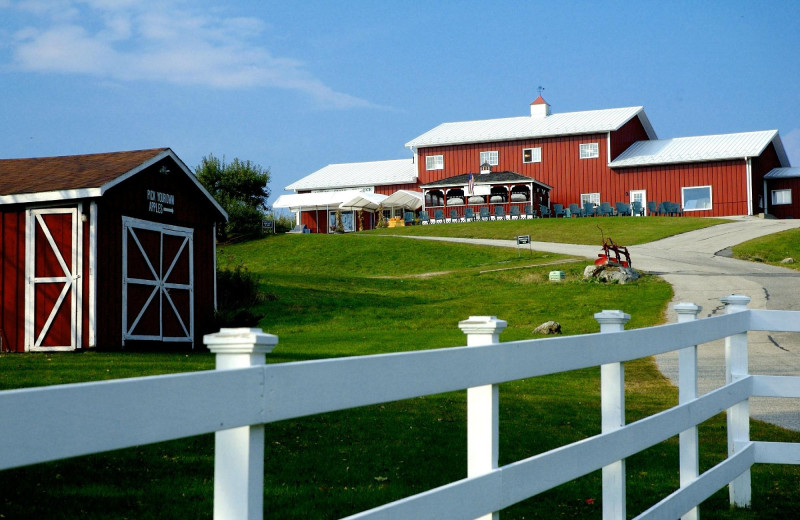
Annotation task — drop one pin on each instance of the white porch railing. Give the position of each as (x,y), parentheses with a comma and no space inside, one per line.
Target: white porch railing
(49,423)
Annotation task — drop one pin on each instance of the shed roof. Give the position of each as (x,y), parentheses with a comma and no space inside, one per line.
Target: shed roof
(527,127)
(783,173)
(42,179)
(350,175)
(700,149)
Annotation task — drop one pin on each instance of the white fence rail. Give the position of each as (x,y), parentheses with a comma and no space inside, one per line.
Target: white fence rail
(50,423)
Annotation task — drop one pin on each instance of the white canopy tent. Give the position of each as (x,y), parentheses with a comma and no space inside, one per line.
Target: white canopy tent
(404,199)
(363,202)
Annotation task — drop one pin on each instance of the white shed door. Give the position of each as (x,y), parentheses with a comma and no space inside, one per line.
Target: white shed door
(157,282)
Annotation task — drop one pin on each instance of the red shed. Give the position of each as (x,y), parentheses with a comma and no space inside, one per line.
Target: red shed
(105,250)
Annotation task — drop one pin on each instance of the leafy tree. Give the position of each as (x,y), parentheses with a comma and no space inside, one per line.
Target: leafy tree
(241,189)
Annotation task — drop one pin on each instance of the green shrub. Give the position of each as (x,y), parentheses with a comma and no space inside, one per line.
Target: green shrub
(238,295)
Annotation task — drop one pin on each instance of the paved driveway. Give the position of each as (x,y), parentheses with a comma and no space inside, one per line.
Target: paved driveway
(698,274)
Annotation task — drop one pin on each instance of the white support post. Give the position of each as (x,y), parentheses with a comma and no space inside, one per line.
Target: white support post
(687,391)
(239,452)
(612,403)
(483,405)
(736,367)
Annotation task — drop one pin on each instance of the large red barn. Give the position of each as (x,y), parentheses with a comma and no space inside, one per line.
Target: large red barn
(105,250)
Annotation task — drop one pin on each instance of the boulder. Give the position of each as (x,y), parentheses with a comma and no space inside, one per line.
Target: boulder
(789,260)
(610,273)
(548,327)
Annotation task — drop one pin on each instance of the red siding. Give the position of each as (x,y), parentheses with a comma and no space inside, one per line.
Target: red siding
(761,166)
(12,289)
(784,210)
(623,138)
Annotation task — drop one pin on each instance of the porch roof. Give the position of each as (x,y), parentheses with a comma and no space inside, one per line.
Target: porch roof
(493,178)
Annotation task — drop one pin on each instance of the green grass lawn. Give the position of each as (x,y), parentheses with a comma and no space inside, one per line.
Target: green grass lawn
(341,295)
(624,230)
(772,249)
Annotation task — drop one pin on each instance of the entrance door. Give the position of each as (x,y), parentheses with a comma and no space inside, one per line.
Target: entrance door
(640,196)
(53,270)
(157,282)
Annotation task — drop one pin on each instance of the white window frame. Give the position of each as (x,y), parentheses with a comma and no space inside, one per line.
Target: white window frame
(710,198)
(535,155)
(778,199)
(594,198)
(590,150)
(434,162)
(491,157)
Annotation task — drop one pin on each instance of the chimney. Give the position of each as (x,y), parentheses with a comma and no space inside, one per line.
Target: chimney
(540,108)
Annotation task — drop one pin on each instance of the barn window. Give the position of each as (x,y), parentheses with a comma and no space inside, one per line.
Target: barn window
(590,151)
(593,198)
(531,155)
(781,197)
(434,162)
(489,157)
(696,198)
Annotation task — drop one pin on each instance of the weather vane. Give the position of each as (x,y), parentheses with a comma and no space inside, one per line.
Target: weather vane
(540,89)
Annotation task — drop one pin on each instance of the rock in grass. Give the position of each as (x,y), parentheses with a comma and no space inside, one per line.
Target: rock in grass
(548,327)
(789,260)
(610,273)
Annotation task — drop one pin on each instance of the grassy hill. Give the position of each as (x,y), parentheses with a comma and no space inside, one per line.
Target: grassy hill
(341,295)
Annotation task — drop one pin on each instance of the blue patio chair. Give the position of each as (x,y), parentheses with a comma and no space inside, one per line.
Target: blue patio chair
(438,216)
(408,218)
(499,213)
(514,214)
(589,209)
(606,210)
(530,212)
(545,211)
(558,210)
(623,210)
(454,216)
(637,208)
(485,213)
(469,215)
(653,207)
(575,210)
(424,218)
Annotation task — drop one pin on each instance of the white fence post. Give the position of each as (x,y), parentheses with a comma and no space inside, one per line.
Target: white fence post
(739,414)
(612,403)
(239,452)
(483,404)
(687,391)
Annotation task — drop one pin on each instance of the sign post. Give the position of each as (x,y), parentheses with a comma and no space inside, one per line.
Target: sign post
(521,241)
(267,226)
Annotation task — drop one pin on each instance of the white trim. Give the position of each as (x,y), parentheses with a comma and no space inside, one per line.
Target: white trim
(92,332)
(772,196)
(488,155)
(644,199)
(214,249)
(434,162)
(589,150)
(749,168)
(160,274)
(710,198)
(534,156)
(608,148)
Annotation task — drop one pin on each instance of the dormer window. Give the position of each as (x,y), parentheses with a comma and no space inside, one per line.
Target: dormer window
(489,157)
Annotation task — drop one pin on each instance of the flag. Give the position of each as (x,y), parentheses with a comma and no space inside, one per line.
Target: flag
(471,185)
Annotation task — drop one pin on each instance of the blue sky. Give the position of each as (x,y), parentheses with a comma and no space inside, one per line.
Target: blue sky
(294,86)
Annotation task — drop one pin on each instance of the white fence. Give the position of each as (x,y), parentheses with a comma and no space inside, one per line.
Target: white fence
(49,423)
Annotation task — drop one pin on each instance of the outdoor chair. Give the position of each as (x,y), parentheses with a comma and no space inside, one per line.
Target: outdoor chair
(424,218)
(454,216)
(637,208)
(558,210)
(606,210)
(438,216)
(575,210)
(485,213)
(514,214)
(469,215)
(589,210)
(499,213)
(529,212)
(672,209)
(653,207)
(408,218)
(622,209)
(545,211)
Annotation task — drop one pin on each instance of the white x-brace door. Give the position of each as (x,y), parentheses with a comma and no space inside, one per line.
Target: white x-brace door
(53,292)
(157,282)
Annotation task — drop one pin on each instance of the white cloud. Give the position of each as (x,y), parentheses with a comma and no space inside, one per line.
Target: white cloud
(133,40)
(791,143)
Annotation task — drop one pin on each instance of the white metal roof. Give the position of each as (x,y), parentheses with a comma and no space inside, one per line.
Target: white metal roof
(783,173)
(700,148)
(527,127)
(347,175)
